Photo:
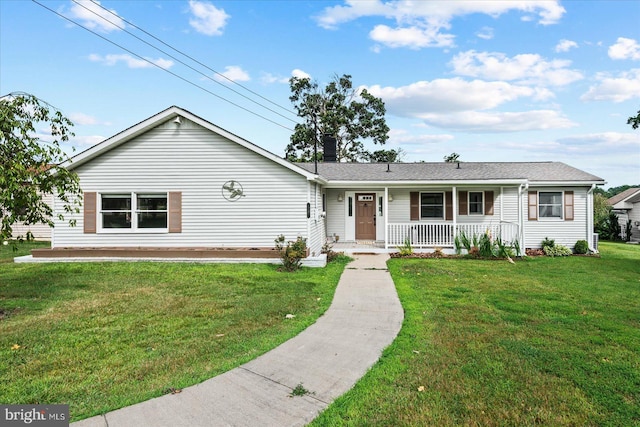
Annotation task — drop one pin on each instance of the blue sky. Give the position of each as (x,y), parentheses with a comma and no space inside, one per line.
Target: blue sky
(490,80)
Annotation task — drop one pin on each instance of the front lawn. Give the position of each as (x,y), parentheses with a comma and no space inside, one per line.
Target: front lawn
(99,336)
(547,341)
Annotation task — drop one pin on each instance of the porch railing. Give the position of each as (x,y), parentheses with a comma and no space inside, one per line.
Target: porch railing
(428,235)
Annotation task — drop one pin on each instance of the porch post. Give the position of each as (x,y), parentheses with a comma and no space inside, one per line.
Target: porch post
(454,193)
(386,217)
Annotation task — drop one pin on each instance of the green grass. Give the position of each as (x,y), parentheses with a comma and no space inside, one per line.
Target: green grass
(99,336)
(547,341)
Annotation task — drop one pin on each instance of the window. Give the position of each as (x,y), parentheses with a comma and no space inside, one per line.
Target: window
(550,204)
(151,210)
(116,211)
(432,205)
(476,202)
(144,211)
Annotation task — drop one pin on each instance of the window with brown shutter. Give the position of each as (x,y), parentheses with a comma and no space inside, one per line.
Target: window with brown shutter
(533,205)
(462,203)
(89,204)
(568,205)
(414,203)
(175,212)
(488,202)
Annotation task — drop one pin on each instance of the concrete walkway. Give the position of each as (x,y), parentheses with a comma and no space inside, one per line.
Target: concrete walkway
(327,359)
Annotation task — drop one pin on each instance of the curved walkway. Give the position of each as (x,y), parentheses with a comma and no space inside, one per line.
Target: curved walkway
(327,359)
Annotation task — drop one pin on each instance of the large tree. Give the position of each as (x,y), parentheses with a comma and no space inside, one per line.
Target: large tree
(31,166)
(352,116)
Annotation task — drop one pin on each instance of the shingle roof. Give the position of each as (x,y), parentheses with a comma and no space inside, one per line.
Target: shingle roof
(441,171)
(625,194)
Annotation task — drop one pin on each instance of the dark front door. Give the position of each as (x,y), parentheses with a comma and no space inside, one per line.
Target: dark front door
(365,216)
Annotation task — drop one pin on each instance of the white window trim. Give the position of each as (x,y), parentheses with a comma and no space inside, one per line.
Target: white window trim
(134,214)
(481,213)
(553,218)
(444,206)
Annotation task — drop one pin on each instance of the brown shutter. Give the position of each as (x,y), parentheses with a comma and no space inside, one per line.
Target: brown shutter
(414,202)
(533,205)
(448,205)
(463,208)
(488,202)
(568,205)
(175,212)
(90,201)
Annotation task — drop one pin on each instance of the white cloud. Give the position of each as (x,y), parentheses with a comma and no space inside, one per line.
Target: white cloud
(565,45)
(89,140)
(524,68)
(603,142)
(586,145)
(96,18)
(269,78)
(233,73)
(448,95)
(411,37)
(491,122)
(461,105)
(402,136)
(300,74)
(616,89)
(421,24)
(130,61)
(207,19)
(485,33)
(82,119)
(625,49)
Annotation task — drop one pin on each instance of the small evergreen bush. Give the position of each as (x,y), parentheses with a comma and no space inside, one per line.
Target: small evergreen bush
(557,250)
(547,242)
(581,247)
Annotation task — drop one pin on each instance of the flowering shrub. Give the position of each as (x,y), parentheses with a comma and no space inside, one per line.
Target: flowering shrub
(292,253)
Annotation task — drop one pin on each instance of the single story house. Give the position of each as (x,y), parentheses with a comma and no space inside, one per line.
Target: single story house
(626,206)
(176,185)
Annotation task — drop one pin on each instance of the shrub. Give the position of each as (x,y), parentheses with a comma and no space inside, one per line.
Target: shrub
(406,249)
(327,248)
(547,242)
(581,247)
(291,254)
(557,250)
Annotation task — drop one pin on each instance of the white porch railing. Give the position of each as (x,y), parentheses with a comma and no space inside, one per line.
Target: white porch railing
(427,235)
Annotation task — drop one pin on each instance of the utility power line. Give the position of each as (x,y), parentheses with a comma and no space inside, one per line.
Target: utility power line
(181,53)
(161,68)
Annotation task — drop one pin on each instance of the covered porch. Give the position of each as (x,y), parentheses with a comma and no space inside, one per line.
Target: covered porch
(426,217)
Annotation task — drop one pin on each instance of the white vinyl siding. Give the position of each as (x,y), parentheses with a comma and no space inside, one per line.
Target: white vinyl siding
(196,162)
(566,233)
(335,214)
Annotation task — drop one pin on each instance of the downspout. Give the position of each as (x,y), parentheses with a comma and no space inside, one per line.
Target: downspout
(590,231)
(523,187)
(308,216)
